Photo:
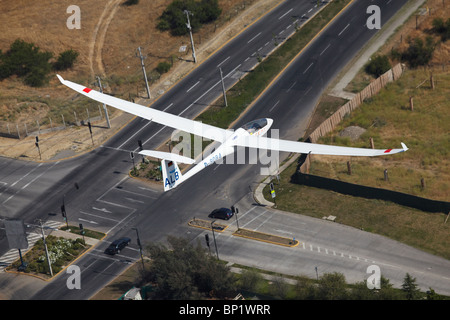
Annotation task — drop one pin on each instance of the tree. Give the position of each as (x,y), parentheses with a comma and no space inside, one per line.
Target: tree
(26,60)
(332,286)
(432,295)
(360,291)
(409,287)
(279,288)
(250,280)
(187,272)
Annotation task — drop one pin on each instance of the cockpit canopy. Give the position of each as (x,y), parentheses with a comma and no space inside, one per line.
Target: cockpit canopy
(255,125)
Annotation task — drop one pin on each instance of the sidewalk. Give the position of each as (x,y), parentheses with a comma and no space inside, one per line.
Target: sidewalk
(73,236)
(345,77)
(258,194)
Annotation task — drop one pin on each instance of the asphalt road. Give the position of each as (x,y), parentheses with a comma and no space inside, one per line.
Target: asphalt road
(108,200)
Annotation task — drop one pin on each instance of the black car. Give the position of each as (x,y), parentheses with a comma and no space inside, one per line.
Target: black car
(222,213)
(117,245)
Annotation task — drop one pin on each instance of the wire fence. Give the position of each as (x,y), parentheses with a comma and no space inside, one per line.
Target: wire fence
(41,125)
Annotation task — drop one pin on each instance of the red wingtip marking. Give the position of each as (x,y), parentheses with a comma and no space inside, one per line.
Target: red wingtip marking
(87,90)
(388,150)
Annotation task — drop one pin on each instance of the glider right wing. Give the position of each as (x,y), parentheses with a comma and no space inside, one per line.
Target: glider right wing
(164,118)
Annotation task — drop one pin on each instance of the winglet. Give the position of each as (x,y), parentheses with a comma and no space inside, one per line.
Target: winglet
(60,78)
(405,148)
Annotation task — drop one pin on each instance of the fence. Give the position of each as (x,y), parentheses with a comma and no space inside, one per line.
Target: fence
(41,125)
(373,88)
(372,193)
(302,176)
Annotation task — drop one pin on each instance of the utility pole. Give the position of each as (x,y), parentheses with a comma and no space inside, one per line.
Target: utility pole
(214,236)
(140,248)
(104,105)
(223,88)
(188,25)
(145,74)
(63,211)
(37,146)
(90,130)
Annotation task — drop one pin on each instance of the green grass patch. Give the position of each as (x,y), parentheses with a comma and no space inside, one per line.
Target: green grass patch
(61,253)
(423,230)
(87,232)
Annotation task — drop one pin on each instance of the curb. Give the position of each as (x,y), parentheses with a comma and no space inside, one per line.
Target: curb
(258,193)
(290,242)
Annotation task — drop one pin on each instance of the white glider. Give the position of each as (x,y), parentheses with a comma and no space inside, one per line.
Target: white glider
(249,135)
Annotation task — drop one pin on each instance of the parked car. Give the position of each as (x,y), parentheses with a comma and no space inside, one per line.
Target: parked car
(222,213)
(117,245)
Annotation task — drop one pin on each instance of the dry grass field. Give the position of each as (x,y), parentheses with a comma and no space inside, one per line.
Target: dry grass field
(107,44)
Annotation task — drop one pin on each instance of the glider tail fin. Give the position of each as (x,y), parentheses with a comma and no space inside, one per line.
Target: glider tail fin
(171,173)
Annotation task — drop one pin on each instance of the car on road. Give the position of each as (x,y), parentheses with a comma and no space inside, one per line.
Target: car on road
(117,245)
(221,213)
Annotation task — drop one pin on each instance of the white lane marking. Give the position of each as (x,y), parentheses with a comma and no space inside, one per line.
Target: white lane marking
(88,221)
(308,68)
(274,106)
(193,86)
(344,29)
(143,127)
(25,186)
(223,62)
(285,14)
(253,38)
(102,210)
(291,87)
(325,49)
(96,216)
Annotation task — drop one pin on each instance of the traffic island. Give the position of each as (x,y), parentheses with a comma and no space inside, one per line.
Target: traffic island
(260,236)
(205,224)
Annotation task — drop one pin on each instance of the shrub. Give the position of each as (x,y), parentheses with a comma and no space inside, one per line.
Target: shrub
(163,67)
(130,2)
(418,52)
(442,28)
(28,61)
(25,60)
(65,60)
(378,65)
(174,18)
